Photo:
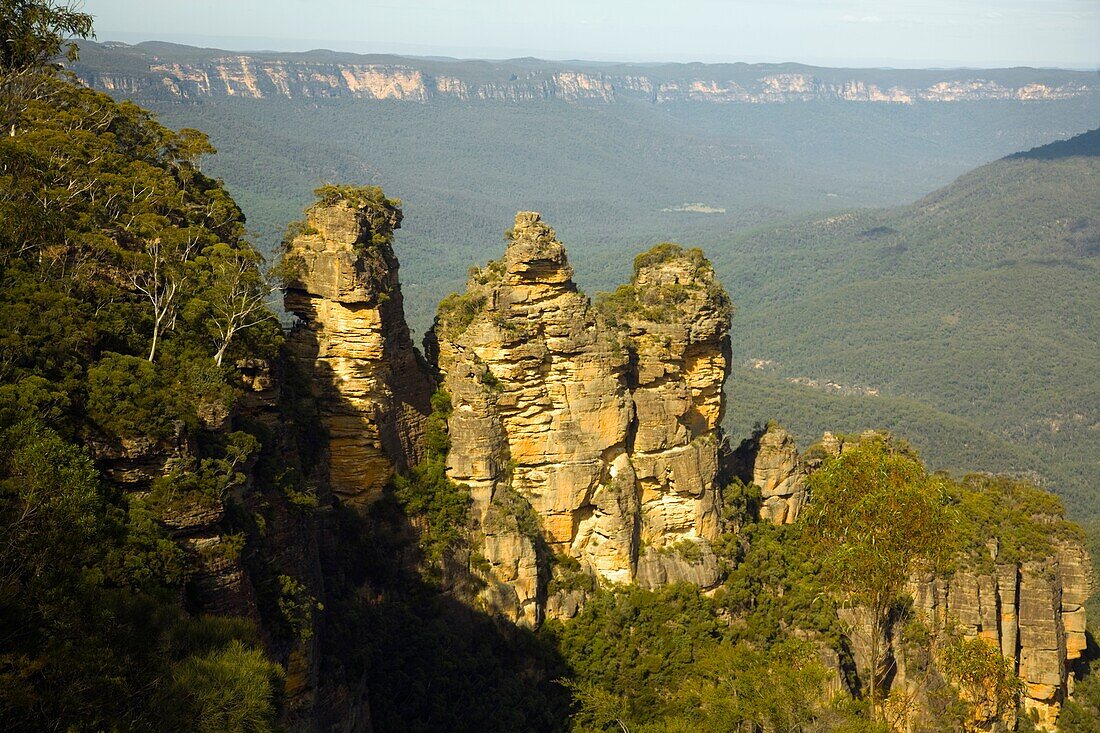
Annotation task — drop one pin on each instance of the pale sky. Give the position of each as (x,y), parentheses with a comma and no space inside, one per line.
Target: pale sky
(899,33)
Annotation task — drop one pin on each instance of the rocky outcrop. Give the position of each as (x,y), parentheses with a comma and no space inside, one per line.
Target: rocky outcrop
(353,341)
(676,320)
(1032,611)
(597,427)
(1028,604)
(770,460)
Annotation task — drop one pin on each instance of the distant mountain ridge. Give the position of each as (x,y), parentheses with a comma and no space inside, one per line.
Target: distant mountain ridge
(1087,144)
(165,71)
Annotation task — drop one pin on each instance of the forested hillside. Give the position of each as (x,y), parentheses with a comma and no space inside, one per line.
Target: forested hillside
(978,302)
(125,283)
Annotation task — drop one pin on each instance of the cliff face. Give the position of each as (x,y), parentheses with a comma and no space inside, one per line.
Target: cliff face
(166,72)
(353,341)
(602,432)
(1032,611)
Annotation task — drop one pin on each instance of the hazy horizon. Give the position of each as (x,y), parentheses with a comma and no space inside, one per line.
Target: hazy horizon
(852,33)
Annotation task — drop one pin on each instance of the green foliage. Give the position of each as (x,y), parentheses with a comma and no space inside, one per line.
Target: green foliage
(738,686)
(568,575)
(661,302)
(1023,520)
(876,517)
(33,35)
(437,441)
(126,398)
(457,312)
(383,214)
(1082,713)
(669,629)
(296,607)
(229,690)
(89,596)
(777,582)
(986,678)
(672,660)
(439,506)
(35,32)
(53,503)
(113,251)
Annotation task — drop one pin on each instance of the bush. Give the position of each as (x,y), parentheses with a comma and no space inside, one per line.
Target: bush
(230,690)
(457,312)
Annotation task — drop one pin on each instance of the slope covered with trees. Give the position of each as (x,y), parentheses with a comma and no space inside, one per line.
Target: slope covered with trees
(978,303)
(115,302)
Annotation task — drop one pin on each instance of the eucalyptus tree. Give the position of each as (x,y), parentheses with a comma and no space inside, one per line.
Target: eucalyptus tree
(877,518)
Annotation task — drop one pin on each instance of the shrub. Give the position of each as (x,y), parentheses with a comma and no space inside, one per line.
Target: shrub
(230,690)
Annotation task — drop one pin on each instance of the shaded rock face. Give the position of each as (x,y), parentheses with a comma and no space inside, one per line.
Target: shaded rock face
(606,433)
(353,340)
(220,584)
(770,460)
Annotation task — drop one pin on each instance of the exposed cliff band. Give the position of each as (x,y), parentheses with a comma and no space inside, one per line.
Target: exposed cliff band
(296,76)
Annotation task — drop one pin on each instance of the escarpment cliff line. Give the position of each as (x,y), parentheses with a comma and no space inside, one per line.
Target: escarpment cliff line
(164,71)
(599,425)
(353,342)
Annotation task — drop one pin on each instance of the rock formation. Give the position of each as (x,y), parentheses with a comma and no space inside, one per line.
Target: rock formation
(588,436)
(1032,611)
(770,460)
(676,320)
(354,343)
(600,423)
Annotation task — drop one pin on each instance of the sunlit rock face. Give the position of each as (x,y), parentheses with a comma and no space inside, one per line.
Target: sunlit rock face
(1033,611)
(354,345)
(770,460)
(600,424)
(197,74)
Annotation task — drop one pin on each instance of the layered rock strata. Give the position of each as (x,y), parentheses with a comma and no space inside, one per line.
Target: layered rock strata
(352,340)
(1032,611)
(586,433)
(139,72)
